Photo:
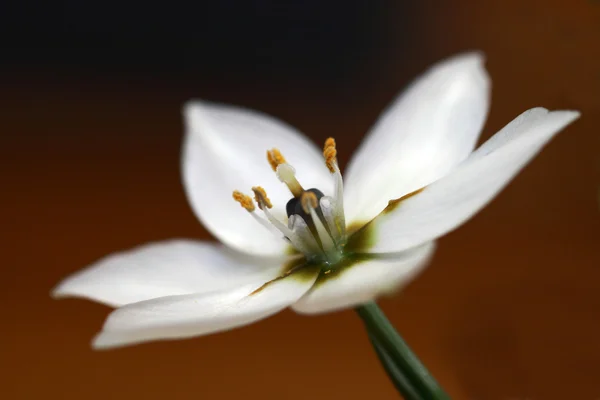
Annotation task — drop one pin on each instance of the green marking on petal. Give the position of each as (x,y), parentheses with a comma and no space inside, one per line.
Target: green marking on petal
(291,251)
(301,273)
(330,272)
(302,269)
(362,239)
(364,234)
(293,264)
(393,204)
(305,273)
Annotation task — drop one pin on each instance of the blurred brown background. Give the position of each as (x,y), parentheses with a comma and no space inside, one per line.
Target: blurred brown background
(90,134)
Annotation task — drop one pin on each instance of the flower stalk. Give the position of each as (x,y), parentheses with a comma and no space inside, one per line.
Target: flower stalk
(407,372)
(398,377)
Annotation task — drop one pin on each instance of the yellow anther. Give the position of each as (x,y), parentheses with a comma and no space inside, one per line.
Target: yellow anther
(330,154)
(244,200)
(275,158)
(308,201)
(330,142)
(261,197)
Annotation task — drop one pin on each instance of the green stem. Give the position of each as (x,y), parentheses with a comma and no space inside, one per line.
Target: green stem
(397,377)
(400,354)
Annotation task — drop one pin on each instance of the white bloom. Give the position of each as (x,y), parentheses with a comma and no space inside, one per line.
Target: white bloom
(335,247)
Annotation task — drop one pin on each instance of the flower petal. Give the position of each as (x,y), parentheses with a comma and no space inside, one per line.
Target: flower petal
(167,268)
(449,202)
(364,281)
(177,317)
(225,150)
(429,129)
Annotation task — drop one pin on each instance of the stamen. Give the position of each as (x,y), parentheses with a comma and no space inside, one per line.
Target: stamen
(244,200)
(264,204)
(266,224)
(326,240)
(297,232)
(330,154)
(308,201)
(327,208)
(304,241)
(275,158)
(261,197)
(338,198)
(299,242)
(309,204)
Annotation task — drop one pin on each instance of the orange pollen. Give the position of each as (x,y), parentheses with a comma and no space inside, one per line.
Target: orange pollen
(330,154)
(261,197)
(330,142)
(308,201)
(244,200)
(275,158)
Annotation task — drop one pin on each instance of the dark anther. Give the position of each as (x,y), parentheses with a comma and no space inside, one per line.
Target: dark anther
(294,206)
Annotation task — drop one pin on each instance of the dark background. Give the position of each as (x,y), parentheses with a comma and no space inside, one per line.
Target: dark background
(90,131)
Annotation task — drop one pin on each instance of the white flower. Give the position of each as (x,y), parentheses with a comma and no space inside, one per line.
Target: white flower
(333,251)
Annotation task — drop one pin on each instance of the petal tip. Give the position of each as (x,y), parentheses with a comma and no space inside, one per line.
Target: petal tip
(469,59)
(72,289)
(107,341)
(476,57)
(468,65)
(563,117)
(57,293)
(102,341)
(568,115)
(192,108)
(62,290)
(541,110)
(571,115)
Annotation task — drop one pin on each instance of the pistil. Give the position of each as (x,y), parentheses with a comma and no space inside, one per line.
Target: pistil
(284,171)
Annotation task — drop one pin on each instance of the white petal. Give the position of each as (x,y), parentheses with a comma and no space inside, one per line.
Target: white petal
(225,150)
(167,268)
(429,129)
(449,202)
(177,317)
(364,281)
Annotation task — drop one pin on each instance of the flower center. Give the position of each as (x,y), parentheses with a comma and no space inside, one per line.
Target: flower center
(316,225)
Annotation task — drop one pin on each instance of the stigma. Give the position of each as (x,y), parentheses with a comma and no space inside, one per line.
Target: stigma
(315,225)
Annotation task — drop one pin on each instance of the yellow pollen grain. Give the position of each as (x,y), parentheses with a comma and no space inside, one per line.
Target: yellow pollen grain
(261,197)
(308,201)
(330,154)
(275,158)
(244,200)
